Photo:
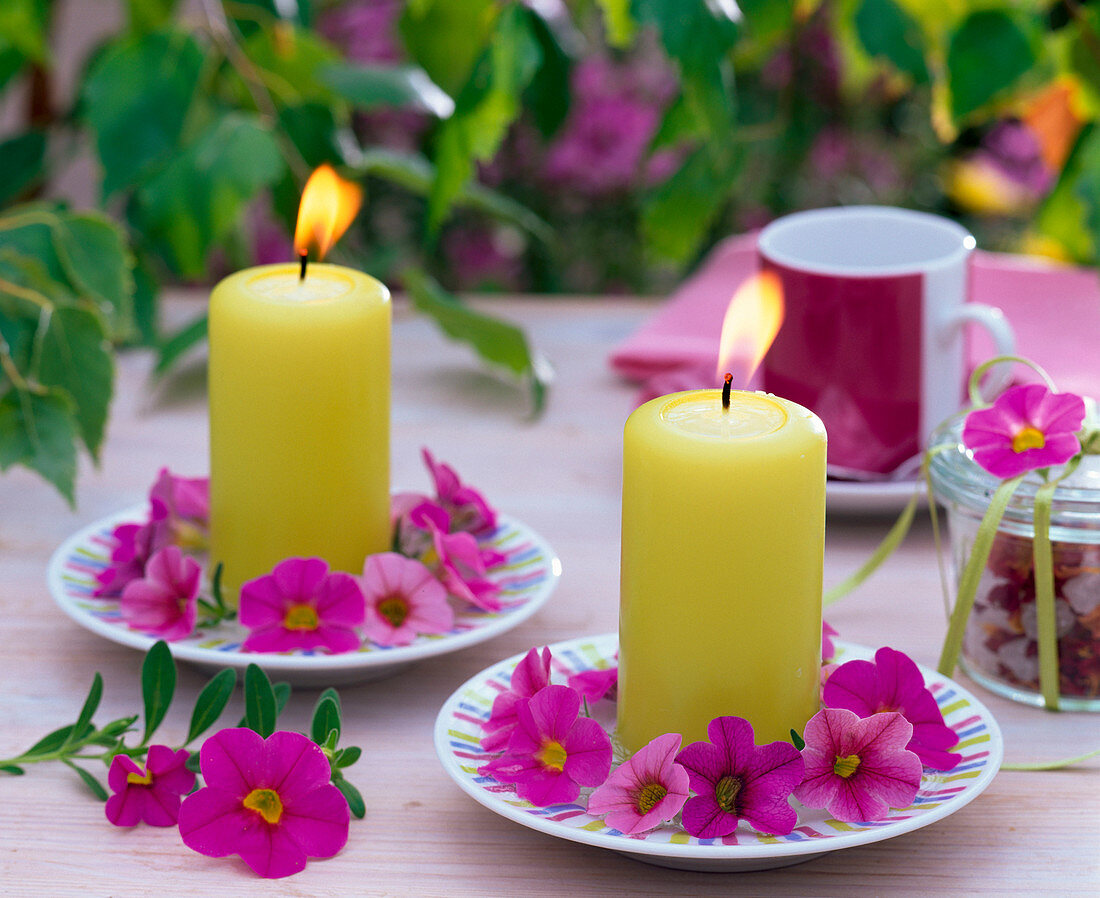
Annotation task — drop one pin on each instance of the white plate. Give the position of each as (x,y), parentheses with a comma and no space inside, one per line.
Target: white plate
(872,497)
(527,579)
(457,742)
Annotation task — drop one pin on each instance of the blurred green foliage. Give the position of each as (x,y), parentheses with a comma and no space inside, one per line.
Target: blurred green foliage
(198,121)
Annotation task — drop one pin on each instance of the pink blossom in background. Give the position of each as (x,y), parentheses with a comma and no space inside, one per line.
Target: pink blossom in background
(151,794)
(828,647)
(484,257)
(734,779)
(403,600)
(647,790)
(552,751)
(164,600)
(893,682)
(531,674)
(268,800)
(857,769)
(186,498)
(300,605)
(366,29)
(1027,427)
(1014,149)
(271,241)
(467,507)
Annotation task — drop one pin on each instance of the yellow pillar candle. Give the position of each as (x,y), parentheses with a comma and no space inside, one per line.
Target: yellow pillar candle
(722,544)
(299,384)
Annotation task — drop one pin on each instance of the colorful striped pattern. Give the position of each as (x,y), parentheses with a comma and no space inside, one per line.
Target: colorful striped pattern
(528,575)
(463,717)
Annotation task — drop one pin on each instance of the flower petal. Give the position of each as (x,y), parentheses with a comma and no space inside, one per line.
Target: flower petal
(229,760)
(293,765)
(318,820)
(587,752)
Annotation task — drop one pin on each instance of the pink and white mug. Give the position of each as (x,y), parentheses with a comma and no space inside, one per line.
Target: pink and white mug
(873,338)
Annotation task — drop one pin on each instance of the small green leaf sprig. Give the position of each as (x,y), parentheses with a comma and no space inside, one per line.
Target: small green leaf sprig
(83,741)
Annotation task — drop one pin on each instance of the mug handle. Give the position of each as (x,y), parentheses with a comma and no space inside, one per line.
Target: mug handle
(1004,339)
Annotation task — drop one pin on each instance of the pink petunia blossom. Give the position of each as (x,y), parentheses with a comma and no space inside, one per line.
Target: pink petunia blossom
(828,646)
(467,507)
(531,674)
(403,600)
(459,562)
(857,769)
(1026,428)
(164,601)
(734,779)
(151,795)
(893,682)
(647,790)
(552,752)
(135,544)
(595,684)
(300,605)
(268,800)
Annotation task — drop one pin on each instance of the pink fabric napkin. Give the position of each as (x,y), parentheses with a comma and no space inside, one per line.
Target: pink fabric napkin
(1054,310)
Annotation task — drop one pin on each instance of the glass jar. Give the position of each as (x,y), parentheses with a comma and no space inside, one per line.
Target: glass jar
(999,644)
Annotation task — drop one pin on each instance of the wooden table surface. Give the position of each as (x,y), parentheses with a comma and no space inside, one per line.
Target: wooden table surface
(1030,832)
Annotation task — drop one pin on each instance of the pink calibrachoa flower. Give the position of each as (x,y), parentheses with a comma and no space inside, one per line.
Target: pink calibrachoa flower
(530,675)
(135,544)
(459,562)
(403,599)
(268,800)
(552,752)
(857,769)
(1026,428)
(164,602)
(151,794)
(300,605)
(647,790)
(186,503)
(467,507)
(893,682)
(734,779)
(595,684)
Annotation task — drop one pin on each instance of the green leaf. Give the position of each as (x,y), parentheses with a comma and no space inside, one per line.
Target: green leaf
(194,202)
(21,161)
(53,742)
(676,217)
(76,357)
(93,784)
(345,757)
(24,24)
(766,21)
(548,95)
(170,350)
(13,769)
(355,801)
(888,31)
(260,706)
(617,22)
(416,174)
(698,35)
(312,129)
(371,87)
(1084,181)
(39,431)
(495,341)
(211,702)
(91,703)
(149,15)
(326,719)
(291,59)
(484,110)
(1066,210)
(282,696)
(93,253)
(797,740)
(986,55)
(446,37)
(158,683)
(135,99)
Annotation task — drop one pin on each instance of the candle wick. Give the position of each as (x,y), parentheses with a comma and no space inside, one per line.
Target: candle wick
(726,387)
(303,258)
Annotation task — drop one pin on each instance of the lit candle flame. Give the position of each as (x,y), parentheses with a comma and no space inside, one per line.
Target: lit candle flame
(752,320)
(329,204)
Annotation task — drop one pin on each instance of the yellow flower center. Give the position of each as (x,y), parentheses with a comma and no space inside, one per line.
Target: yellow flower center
(725,793)
(139,779)
(266,803)
(648,798)
(1028,438)
(845,767)
(301,617)
(394,609)
(552,755)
